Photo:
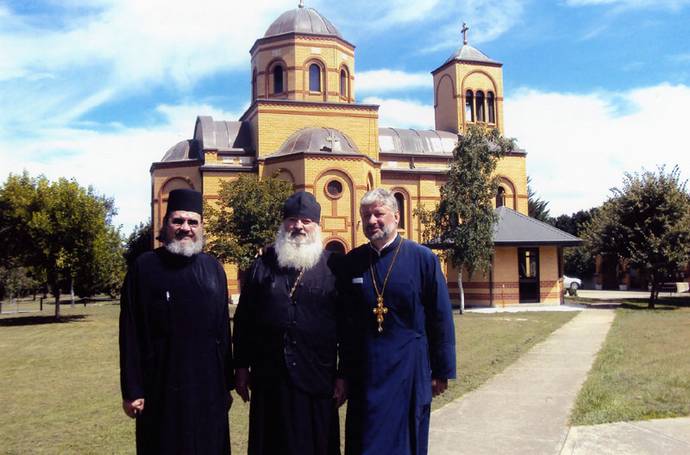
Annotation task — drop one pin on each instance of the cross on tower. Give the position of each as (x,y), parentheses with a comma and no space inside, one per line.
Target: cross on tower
(464,30)
(301,3)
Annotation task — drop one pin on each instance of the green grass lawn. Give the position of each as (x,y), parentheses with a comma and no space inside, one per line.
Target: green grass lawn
(643,369)
(59,386)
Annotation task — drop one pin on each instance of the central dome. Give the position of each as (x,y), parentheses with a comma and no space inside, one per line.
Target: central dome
(302,20)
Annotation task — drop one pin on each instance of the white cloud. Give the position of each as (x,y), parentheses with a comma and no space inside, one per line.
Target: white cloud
(116,163)
(399,113)
(53,71)
(579,146)
(386,80)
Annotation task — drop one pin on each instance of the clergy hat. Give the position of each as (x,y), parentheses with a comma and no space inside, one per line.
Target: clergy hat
(302,205)
(186,200)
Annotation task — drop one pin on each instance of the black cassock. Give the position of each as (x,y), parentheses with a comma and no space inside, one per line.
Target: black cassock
(291,347)
(175,352)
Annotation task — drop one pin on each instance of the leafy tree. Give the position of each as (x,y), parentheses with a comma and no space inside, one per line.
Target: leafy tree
(647,224)
(59,228)
(577,261)
(462,222)
(246,219)
(536,207)
(15,281)
(138,242)
(103,270)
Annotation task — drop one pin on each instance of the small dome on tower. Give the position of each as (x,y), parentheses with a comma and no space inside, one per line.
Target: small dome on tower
(302,20)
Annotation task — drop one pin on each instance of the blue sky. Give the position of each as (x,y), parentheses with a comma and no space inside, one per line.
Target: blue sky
(99,89)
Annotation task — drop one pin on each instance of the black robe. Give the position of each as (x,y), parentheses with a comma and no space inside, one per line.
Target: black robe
(291,348)
(175,353)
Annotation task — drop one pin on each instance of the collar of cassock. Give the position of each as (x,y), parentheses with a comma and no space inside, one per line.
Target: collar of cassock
(388,247)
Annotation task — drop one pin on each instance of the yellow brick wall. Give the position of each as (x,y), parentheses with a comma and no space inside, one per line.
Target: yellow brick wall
(513,169)
(276,123)
(296,55)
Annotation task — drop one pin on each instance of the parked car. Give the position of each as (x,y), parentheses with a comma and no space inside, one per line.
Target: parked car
(571,284)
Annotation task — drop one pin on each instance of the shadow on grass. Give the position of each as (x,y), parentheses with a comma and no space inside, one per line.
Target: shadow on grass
(664,303)
(38,320)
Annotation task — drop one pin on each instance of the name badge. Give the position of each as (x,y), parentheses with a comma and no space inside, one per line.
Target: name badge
(358,280)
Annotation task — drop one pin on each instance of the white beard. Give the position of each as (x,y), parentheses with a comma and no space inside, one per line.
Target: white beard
(185,248)
(301,253)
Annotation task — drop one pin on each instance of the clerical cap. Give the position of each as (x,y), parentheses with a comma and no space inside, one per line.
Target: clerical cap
(302,205)
(186,200)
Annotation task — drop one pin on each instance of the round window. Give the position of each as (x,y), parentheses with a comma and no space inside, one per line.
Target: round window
(334,188)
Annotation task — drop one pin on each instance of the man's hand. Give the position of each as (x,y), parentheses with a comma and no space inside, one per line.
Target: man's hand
(242,385)
(133,408)
(340,391)
(438,386)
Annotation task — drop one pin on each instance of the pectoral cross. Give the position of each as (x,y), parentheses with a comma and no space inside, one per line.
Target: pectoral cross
(379,311)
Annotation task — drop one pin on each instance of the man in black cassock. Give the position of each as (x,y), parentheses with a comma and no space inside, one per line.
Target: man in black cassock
(286,340)
(406,340)
(175,354)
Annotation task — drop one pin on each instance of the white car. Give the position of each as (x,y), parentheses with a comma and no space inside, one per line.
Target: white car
(572,284)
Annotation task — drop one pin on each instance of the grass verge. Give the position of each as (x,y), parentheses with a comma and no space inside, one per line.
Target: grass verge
(643,369)
(59,386)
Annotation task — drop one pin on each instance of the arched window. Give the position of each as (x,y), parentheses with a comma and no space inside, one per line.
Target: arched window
(469,106)
(491,107)
(335,246)
(278,79)
(314,78)
(343,83)
(500,197)
(253,85)
(480,106)
(400,199)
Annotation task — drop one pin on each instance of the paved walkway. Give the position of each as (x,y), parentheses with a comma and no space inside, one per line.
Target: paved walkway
(525,409)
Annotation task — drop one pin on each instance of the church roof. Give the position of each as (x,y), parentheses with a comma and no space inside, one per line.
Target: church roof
(302,20)
(182,151)
(516,229)
(317,140)
(223,136)
(469,53)
(416,142)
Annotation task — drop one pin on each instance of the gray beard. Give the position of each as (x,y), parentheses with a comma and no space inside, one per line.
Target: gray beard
(186,249)
(301,253)
(387,229)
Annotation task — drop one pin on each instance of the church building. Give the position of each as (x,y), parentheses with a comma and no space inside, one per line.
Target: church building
(305,125)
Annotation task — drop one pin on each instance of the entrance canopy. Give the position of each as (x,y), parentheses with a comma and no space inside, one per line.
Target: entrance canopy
(516,229)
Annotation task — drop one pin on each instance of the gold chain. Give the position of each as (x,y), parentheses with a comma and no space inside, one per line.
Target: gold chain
(294,286)
(380,310)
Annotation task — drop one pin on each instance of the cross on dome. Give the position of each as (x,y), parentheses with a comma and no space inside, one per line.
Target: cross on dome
(464,30)
(301,4)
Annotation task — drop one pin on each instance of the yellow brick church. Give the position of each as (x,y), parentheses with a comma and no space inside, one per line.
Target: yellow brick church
(305,125)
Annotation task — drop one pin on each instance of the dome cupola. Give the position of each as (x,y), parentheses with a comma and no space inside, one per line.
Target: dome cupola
(302,20)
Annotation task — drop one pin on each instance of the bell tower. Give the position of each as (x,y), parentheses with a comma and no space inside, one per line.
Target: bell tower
(468,89)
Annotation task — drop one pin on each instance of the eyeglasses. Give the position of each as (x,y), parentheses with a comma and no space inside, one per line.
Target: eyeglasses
(179,221)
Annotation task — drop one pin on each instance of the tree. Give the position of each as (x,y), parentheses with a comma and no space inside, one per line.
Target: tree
(536,207)
(462,222)
(577,261)
(138,242)
(59,229)
(647,224)
(246,219)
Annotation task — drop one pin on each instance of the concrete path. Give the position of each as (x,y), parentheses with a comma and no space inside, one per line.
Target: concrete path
(653,437)
(525,409)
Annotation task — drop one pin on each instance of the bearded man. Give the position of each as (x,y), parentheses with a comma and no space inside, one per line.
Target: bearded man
(286,340)
(400,301)
(175,356)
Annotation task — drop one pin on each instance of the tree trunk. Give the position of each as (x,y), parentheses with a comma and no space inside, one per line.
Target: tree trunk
(56,293)
(653,295)
(71,291)
(461,291)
